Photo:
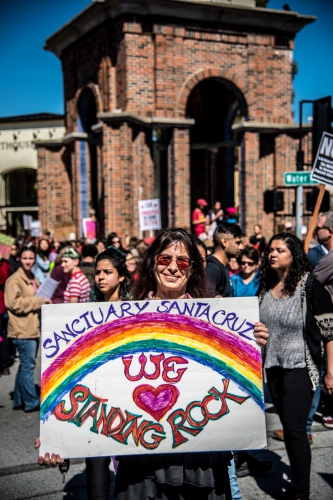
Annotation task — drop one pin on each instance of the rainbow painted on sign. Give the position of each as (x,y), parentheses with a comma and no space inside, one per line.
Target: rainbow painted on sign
(197,340)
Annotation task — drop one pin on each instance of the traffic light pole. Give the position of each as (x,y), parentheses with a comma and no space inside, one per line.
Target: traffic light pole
(300,167)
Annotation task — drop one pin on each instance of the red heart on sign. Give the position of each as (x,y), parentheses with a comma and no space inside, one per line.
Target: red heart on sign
(157,401)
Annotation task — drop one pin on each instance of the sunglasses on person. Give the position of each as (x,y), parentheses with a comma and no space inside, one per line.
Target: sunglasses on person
(317,228)
(249,263)
(115,241)
(165,260)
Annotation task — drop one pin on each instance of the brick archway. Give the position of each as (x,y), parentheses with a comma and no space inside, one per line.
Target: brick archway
(96,93)
(197,77)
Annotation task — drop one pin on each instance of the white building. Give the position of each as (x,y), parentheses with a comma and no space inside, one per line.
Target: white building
(18,165)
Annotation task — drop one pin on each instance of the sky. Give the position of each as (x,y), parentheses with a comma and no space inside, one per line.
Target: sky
(31,78)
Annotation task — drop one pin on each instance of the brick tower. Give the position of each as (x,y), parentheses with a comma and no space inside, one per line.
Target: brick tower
(175,99)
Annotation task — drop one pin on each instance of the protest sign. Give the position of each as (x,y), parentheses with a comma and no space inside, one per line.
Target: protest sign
(5,244)
(149,377)
(89,229)
(27,220)
(36,228)
(323,166)
(149,214)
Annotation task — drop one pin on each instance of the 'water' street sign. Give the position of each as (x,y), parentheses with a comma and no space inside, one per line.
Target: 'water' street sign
(298,179)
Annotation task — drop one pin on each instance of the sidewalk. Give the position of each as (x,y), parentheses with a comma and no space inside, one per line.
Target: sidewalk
(21,478)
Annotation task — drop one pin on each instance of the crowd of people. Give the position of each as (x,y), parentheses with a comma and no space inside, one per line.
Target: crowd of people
(295,333)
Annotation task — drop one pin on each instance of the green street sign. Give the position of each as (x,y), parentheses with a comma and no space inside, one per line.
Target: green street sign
(298,179)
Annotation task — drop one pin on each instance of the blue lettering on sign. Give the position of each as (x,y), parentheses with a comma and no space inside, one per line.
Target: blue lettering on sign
(201,310)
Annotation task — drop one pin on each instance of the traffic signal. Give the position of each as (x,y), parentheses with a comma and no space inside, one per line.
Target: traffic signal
(322,118)
(273,201)
(311,198)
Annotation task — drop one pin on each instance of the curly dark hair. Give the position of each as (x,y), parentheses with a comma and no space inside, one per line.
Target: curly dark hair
(146,282)
(118,261)
(300,265)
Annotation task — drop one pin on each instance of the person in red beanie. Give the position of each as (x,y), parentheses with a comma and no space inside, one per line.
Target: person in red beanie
(198,217)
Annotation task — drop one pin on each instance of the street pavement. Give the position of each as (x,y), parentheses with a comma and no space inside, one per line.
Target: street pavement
(22,478)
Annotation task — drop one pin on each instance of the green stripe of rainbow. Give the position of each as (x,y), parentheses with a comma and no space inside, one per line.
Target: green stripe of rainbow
(222,351)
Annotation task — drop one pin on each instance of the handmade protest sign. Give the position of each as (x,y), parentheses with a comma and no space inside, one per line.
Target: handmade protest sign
(5,244)
(149,377)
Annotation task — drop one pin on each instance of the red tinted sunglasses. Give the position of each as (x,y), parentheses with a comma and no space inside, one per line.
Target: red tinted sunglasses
(165,260)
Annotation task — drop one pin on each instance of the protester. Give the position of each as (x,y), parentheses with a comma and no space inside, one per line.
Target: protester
(89,253)
(112,283)
(324,232)
(215,217)
(58,274)
(114,241)
(198,217)
(245,283)
(131,263)
(14,259)
(293,353)
(173,269)
(257,239)
(5,361)
(42,265)
(23,327)
(233,265)
(101,245)
(227,238)
(78,288)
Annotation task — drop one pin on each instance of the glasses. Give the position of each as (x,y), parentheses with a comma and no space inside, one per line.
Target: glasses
(115,241)
(317,228)
(249,263)
(165,260)
(131,259)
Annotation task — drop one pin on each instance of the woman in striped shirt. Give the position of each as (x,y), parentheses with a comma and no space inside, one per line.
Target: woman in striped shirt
(78,287)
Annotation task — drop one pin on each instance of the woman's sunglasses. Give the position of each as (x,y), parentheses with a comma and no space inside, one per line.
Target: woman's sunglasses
(165,260)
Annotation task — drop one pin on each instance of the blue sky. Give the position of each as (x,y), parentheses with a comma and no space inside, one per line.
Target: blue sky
(31,78)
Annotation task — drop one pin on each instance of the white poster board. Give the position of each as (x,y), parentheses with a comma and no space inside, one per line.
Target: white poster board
(323,166)
(149,214)
(149,377)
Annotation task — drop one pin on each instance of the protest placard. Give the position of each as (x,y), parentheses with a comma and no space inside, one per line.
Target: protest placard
(5,244)
(89,229)
(149,214)
(323,166)
(36,228)
(149,377)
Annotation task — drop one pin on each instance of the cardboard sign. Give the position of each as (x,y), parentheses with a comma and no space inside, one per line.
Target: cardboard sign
(149,214)
(323,166)
(5,244)
(147,377)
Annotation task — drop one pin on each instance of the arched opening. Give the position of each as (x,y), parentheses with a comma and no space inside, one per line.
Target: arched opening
(215,104)
(21,197)
(87,117)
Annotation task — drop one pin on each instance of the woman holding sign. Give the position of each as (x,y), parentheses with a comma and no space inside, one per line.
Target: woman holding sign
(171,270)
(299,314)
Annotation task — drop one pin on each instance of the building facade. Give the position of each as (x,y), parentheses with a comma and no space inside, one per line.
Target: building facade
(176,100)
(18,165)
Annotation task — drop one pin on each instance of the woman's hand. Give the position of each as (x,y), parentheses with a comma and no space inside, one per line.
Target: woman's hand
(328,383)
(48,460)
(260,333)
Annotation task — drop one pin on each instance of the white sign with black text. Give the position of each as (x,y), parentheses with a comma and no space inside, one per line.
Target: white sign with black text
(149,214)
(323,166)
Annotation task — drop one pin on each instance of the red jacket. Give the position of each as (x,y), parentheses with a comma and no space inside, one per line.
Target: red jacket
(4,274)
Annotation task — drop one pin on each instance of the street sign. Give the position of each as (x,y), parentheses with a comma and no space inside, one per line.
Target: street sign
(298,179)
(323,166)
